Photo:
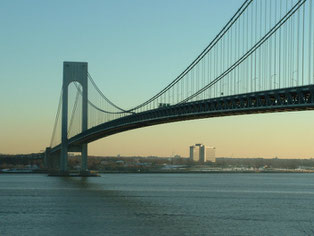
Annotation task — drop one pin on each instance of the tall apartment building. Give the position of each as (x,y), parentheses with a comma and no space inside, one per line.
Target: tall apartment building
(195,152)
(201,153)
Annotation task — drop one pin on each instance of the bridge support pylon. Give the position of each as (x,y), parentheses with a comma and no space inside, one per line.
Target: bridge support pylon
(73,72)
(52,161)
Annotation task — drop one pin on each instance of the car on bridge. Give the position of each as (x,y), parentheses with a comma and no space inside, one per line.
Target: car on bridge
(161,105)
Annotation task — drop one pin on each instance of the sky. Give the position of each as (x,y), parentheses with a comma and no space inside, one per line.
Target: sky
(133,49)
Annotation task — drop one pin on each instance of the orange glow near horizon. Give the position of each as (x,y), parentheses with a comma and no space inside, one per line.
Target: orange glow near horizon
(283,135)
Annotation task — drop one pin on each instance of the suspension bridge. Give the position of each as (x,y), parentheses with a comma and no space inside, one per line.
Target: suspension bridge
(261,61)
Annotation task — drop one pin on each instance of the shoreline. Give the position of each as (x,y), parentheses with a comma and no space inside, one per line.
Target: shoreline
(173,172)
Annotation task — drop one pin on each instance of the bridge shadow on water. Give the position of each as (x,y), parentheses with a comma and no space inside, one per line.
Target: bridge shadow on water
(135,204)
(92,206)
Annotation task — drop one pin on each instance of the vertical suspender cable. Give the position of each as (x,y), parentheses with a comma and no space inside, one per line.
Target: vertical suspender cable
(303,26)
(310,39)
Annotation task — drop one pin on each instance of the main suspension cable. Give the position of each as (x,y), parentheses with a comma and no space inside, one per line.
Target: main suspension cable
(56,119)
(225,29)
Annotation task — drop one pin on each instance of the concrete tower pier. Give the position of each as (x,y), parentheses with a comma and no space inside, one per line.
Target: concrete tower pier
(57,163)
(73,72)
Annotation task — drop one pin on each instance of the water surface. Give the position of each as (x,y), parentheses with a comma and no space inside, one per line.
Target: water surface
(157,204)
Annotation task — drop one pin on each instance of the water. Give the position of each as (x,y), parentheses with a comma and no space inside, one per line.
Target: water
(158,204)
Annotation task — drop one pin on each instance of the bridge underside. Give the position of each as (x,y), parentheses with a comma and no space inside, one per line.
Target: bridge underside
(280,100)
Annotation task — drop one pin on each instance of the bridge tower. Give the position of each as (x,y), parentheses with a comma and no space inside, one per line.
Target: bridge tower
(73,72)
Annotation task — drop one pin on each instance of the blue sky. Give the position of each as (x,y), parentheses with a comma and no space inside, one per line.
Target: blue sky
(144,43)
(134,49)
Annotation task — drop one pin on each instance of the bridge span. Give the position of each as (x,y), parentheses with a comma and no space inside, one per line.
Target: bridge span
(280,100)
(260,62)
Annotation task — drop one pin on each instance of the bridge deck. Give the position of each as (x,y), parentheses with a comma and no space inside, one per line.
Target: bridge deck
(279,100)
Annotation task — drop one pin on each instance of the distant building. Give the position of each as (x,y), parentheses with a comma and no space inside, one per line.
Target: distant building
(195,152)
(210,154)
(202,153)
